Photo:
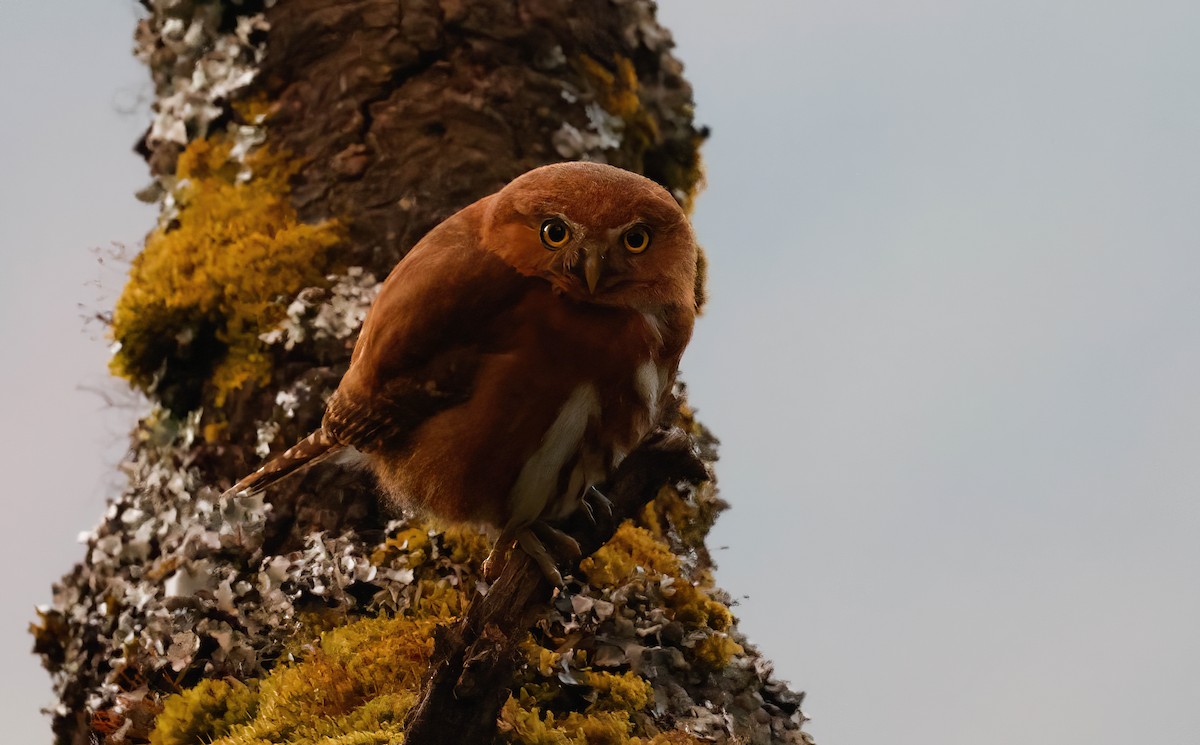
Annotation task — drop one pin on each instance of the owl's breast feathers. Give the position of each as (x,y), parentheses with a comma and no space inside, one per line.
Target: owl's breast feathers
(479,394)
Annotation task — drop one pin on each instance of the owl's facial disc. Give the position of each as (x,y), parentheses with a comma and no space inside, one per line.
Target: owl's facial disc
(597,234)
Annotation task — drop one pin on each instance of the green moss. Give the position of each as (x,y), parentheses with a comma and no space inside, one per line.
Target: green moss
(208,284)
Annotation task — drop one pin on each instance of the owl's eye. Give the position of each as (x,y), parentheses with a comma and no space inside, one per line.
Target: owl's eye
(636,239)
(555,234)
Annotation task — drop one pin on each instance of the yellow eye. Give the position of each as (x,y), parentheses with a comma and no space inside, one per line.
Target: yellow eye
(555,234)
(636,239)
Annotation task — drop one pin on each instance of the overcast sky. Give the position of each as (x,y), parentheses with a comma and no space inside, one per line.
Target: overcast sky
(952,350)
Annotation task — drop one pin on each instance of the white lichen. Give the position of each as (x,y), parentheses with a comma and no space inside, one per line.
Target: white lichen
(322,315)
(197,67)
(604,133)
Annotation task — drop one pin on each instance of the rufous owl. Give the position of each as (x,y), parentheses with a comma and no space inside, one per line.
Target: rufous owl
(516,355)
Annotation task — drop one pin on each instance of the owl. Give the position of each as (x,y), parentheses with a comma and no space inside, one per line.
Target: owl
(516,355)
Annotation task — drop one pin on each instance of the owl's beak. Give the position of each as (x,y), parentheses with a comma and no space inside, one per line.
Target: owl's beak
(592,263)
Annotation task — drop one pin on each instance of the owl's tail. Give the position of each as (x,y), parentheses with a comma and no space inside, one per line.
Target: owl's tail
(312,449)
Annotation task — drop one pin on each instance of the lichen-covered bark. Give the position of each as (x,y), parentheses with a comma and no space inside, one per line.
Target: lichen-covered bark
(299,148)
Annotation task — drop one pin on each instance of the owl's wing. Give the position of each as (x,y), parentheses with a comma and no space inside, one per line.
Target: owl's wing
(425,335)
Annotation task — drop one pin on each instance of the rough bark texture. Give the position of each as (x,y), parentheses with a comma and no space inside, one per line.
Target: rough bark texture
(299,148)
(428,106)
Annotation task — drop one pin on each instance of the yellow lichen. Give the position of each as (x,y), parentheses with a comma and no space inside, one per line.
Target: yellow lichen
(676,737)
(215,431)
(620,709)
(617,691)
(411,545)
(207,284)
(618,90)
(466,545)
(254,109)
(629,550)
(437,597)
(533,726)
(543,660)
(689,518)
(544,709)
(695,609)
(355,687)
(635,552)
(207,710)
(714,651)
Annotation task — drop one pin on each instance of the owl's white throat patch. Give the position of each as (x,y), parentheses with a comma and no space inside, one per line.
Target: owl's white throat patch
(650,381)
(537,483)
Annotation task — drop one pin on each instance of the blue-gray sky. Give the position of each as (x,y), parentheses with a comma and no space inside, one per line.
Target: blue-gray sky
(952,349)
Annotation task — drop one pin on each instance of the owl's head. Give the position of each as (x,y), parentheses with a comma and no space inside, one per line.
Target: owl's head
(597,233)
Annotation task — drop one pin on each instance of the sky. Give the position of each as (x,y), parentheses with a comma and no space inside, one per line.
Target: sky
(951,352)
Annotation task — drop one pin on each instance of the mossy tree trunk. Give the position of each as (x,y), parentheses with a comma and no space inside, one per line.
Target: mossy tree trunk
(299,148)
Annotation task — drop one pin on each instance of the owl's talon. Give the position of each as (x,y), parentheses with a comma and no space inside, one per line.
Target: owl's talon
(533,546)
(563,544)
(604,503)
(587,510)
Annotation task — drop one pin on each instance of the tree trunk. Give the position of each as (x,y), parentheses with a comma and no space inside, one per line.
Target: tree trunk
(299,148)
